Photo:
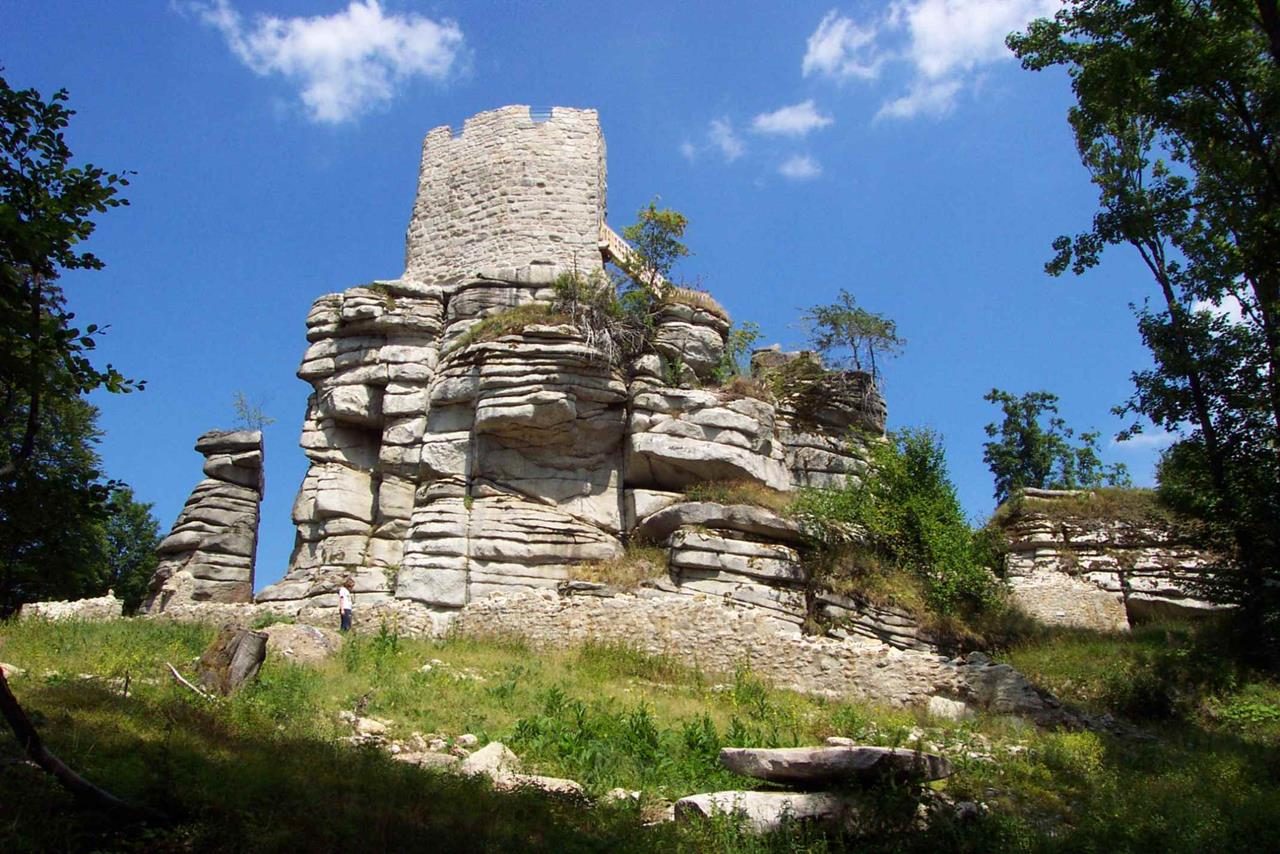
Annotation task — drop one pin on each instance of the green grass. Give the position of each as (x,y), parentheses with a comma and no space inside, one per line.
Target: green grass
(741,492)
(1107,504)
(267,771)
(639,563)
(510,321)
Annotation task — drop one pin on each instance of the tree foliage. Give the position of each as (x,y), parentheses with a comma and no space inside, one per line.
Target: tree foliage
(66,531)
(617,311)
(1177,119)
(55,505)
(1029,451)
(655,238)
(130,536)
(864,337)
(906,514)
(46,210)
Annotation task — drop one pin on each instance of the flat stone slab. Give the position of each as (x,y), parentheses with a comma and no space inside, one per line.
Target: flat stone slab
(811,767)
(743,518)
(766,811)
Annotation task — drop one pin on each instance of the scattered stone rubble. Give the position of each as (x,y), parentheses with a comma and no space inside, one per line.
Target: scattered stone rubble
(98,608)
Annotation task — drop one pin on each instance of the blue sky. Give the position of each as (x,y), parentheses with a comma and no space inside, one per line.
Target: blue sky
(894,150)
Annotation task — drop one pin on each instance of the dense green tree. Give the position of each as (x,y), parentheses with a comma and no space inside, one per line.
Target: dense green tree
(130,535)
(55,505)
(53,509)
(906,514)
(845,332)
(1177,118)
(46,209)
(1032,446)
(655,238)
(66,531)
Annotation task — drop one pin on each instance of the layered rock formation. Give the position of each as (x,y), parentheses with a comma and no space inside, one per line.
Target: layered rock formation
(1071,563)
(209,554)
(447,466)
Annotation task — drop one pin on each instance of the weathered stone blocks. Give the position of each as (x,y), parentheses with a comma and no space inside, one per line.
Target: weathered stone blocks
(208,556)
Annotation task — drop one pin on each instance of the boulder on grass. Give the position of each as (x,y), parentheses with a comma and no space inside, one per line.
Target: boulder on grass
(234,657)
(765,812)
(813,767)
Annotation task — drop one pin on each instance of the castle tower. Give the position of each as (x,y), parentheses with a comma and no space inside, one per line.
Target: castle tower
(513,184)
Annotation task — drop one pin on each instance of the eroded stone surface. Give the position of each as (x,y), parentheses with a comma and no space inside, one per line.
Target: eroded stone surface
(209,554)
(767,811)
(1066,566)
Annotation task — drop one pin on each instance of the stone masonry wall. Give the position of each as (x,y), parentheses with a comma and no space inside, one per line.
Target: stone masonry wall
(706,632)
(509,190)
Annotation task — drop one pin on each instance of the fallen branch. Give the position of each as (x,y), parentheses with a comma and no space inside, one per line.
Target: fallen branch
(78,786)
(185,683)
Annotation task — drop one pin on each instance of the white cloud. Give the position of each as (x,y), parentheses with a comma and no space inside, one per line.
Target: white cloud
(949,36)
(346,63)
(800,167)
(1229,307)
(1146,441)
(924,99)
(841,48)
(722,137)
(795,120)
(943,43)
(689,150)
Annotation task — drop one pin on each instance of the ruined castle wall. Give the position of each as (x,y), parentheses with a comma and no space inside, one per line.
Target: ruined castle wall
(509,189)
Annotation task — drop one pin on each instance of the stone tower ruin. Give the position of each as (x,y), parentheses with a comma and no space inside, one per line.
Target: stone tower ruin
(512,186)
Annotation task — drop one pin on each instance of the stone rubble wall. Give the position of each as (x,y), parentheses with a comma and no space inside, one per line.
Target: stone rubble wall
(98,608)
(1102,574)
(710,633)
(509,187)
(209,554)
(714,634)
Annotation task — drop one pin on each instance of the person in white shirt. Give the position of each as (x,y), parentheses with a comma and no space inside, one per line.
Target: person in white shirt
(344,604)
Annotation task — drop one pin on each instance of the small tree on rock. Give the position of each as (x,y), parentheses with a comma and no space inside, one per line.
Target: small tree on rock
(864,337)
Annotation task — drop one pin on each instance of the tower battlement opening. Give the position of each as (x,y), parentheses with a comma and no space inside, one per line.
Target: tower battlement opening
(513,184)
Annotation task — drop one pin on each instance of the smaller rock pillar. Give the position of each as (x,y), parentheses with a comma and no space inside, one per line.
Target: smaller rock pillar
(209,554)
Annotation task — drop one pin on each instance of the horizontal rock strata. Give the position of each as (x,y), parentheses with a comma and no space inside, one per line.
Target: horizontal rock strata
(1068,567)
(209,554)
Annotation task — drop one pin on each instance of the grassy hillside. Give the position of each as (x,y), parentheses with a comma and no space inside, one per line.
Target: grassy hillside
(268,770)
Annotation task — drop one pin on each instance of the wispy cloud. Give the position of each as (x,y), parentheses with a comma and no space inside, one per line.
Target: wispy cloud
(926,98)
(1146,441)
(841,48)
(722,137)
(943,43)
(795,120)
(343,64)
(800,167)
(1229,307)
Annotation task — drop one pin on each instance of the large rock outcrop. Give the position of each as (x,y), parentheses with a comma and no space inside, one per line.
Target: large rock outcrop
(450,461)
(209,554)
(1074,561)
